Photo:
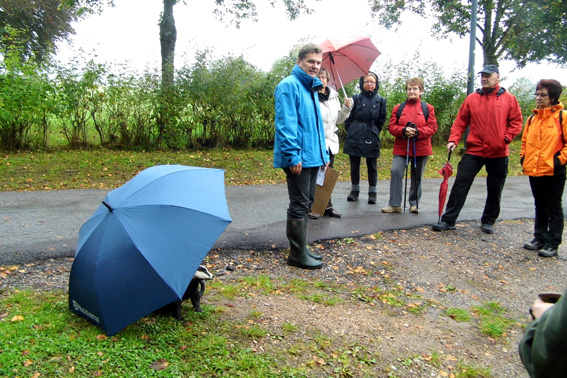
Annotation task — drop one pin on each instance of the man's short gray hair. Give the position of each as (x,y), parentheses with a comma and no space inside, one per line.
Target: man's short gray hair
(308,49)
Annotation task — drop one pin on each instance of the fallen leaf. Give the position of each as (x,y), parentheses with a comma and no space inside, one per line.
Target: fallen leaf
(319,360)
(17,318)
(28,363)
(160,364)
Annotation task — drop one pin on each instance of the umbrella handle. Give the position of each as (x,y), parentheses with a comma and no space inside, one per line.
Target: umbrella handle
(449,157)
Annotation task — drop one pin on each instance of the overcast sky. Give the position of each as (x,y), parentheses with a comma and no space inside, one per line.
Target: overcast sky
(129,33)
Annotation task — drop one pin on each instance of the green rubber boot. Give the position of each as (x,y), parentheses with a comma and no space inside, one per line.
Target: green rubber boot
(316,256)
(298,251)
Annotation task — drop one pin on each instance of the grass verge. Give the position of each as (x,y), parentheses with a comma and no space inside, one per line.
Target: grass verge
(106,169)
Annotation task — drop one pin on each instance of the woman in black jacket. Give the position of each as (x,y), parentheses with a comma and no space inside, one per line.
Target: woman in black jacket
(363,135)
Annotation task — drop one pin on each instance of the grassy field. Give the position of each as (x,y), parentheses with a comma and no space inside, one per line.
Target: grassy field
(100,168)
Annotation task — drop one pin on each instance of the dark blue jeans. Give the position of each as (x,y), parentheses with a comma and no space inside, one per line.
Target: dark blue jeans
(301,191)
(549,218)
(469,166)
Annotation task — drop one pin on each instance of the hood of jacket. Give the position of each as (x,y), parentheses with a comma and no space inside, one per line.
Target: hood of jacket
(313,84)
(361,85)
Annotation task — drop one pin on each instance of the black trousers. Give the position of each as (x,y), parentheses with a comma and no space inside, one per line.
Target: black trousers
(332,165)
(469,166)
(372,166)
(301,191)
(549,218)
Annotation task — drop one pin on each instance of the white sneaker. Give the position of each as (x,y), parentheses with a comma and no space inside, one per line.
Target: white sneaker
(413,209)
(392,209)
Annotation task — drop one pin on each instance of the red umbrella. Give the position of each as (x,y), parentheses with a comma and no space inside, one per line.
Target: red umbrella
(348,58)
(446,171)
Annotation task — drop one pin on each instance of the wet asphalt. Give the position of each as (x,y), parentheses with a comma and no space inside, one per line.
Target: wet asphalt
(42,224)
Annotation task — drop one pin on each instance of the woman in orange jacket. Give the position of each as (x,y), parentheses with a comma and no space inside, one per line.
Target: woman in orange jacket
(543,157)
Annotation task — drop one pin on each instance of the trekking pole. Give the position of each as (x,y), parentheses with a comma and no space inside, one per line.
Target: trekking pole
(415,168)
(407,166)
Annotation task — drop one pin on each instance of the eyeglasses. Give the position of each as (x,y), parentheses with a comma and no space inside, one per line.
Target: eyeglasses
(370,82)
(542,95)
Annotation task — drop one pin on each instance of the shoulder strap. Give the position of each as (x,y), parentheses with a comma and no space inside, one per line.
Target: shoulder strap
(560,143)
(532,116)
(400,109)
(424,109)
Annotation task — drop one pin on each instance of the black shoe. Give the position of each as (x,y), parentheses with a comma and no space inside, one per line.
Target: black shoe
(534,245)
(313,215)
(548,252)
(443,226)
(353,196)
(372,198)
(487,228)
(332,213)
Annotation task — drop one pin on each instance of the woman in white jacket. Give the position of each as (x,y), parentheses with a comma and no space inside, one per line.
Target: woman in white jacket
(333,113)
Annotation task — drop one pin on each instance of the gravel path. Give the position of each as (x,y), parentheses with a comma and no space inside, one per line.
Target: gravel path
(433,271)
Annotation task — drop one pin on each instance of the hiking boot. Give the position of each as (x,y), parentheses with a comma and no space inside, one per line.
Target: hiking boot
(548,252)
(414,209)
(372,198)
(313,215)
(443,226)
(487,228)
(534,245)
(332,213)
(353,196)
(392,209)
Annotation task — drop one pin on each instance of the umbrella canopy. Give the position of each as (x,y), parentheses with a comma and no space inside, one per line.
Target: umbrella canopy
(142,246)
(347,58)
(446,171)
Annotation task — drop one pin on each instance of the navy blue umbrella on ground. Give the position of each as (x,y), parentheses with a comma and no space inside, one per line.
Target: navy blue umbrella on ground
(141,248)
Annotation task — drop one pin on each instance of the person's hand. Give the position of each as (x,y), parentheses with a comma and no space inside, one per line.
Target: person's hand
(410,132)
(296,169)
(348,102)
(451,146)
(539,307)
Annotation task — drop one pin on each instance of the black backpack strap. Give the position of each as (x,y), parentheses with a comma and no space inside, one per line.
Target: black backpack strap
(532,116)
(424,109)
(400,109)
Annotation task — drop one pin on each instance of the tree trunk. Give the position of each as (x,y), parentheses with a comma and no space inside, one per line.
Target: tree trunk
(168,37)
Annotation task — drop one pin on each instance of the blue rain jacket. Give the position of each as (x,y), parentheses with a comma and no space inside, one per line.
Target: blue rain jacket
(300,134)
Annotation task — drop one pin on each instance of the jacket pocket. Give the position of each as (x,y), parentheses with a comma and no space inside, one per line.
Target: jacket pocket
(558,168)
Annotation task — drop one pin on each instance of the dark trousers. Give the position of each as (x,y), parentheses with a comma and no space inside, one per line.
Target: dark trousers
(469,166)
(332,165)
(549,218)
(301,191)
(372,165)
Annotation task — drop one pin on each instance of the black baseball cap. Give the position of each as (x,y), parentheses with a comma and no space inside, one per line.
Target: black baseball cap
(490,69)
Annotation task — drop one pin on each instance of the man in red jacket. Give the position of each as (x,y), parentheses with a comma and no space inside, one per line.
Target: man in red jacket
(495,118)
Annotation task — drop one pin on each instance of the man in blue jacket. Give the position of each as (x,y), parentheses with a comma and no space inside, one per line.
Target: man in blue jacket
(299,148)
